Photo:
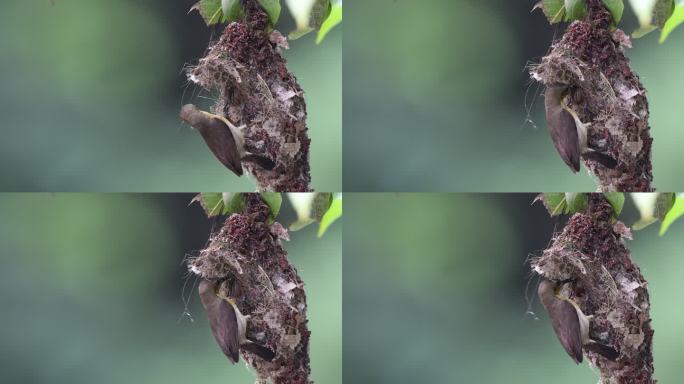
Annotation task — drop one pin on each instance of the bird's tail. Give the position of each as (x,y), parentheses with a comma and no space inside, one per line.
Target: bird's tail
(603,350)
(259,350)
(601,158)
(262,161)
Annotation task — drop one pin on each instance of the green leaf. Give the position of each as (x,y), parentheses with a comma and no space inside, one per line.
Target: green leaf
(643,31)
(643,10)
(673,22)
(216,203)
(309,15)
(652,14)
(575,10)
(301,12)
(319,13)
(664,204)
(301,202)
(643,223)
(576,202)
(310,208)
(333,213)
(274,201)
(333,19)
(617,200)
(570,10)
(662,12)
(553,202)
(321,204)
(616,9)
(272,8)
(563,203)
(674,213)
(301,224)
(297,33)
(232,203)
(652,207)
(232,10)
(210,10)
(212,203)
(554,10)
(646,204)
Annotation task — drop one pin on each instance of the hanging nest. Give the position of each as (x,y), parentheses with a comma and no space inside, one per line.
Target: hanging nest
(255,89)
(590,60)
(247,253)
(590,253)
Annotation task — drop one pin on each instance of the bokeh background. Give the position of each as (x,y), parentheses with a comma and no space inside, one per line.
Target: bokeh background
(90,93)
(94,291)
(437,289)
(437,98)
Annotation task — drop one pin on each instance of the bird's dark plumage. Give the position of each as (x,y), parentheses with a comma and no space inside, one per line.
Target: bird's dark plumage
(222,320)
(603,350)
(564,320)
(216,134)
(221,140)
(562,127)
(259,350)
(601,158)
(261,161)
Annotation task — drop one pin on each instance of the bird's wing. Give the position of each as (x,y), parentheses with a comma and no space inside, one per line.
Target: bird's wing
(222,144)
(222,320)
(562,128)
(567,327)
(228,331)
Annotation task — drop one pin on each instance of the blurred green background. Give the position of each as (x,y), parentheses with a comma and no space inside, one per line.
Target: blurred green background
(436,98)
(82,81)
(93,291)
(437,289)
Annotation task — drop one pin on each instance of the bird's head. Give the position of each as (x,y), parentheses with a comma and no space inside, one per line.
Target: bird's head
(191,114)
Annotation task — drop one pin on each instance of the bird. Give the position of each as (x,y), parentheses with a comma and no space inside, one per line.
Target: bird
(228,324)
(568,133)
(225,140)
(570,324)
